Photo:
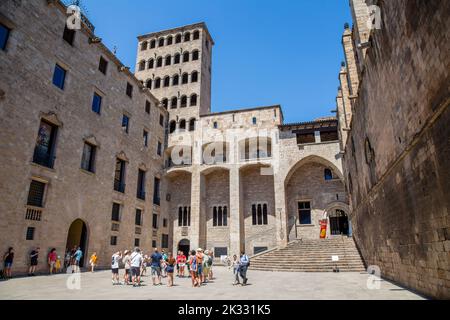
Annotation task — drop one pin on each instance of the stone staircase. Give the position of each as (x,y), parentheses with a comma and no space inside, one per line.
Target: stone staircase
(311,256)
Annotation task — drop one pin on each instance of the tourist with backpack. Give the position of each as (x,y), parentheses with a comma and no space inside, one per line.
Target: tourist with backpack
(207,263)
(244,264)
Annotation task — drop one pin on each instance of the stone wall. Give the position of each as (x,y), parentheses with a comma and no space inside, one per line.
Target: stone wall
(34,47)
(397,154)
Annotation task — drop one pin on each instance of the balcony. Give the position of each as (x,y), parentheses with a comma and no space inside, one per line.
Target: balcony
(42,158)
(119,186)
(33,213)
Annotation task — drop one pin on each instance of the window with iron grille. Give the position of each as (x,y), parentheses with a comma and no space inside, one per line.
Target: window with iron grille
(115,215)
(36,194)
(119,176)
(114,240)
(88,158)
(220,251)
(103,65)
(30,233)
(138,218)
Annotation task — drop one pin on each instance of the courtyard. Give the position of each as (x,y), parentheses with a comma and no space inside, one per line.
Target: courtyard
(262,286)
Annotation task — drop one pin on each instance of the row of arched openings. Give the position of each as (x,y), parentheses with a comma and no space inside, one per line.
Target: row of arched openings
(169,60)
(183,102)
(182,125)
(166,82)
(161,42)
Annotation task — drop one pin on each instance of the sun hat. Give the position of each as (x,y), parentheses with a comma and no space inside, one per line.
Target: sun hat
(199,250)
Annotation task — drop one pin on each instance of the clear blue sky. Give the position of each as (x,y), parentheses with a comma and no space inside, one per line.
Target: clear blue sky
(284,52)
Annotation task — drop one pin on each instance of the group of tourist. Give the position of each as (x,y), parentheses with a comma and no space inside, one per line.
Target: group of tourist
(71,261)
(198,266)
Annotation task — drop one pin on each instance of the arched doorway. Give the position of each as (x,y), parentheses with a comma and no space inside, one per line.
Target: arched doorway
(339,224)
(77,237)
(185,246)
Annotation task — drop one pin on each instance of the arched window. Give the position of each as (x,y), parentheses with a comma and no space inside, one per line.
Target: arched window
(193,100)
(159,62)
(259,214)
(169,40)
(174,103)
(265,222)
(176,80)
(183,103)
(187,37)
(142,65)
(153,44)
(186,56)
(176,58)
(195,55)
(196,35)
(194,76)
(328,174)
(157,83)
(178,38)
(172,126)
(215,217)
(182,125)
(168,60)
(254,215)
(166,81)
(151,63)
(148,84)
(192,124)
(184,78)
(165,103)
(180,216)
(144,45)
(161,42)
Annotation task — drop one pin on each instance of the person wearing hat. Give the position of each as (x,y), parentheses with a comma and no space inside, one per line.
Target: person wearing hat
(206,265)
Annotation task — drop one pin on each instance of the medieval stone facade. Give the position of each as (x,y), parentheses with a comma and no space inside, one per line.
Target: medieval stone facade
(394,99)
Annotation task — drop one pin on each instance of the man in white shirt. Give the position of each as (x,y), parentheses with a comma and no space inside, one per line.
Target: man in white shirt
(136,262)
(115,267)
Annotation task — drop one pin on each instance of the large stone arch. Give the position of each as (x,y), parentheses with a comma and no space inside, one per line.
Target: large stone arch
(313,159)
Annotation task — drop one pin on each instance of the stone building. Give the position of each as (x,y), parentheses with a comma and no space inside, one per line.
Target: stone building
(80,138)
(240,179)
(106,159)
(393,103)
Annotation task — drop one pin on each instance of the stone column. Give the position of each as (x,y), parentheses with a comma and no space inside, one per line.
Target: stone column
(196,193)
(281,211)
(236,214)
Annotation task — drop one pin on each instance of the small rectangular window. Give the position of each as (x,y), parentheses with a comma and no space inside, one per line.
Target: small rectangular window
(97,103)
(165,241)
(4,35)
(155,221)
(30,233)
(129,90)
(137,242)
(154,244)
(88,158)
(254,120)
(147,106)
(138,218)
(69,35)
(141,185)
(257,250)
(159,151)
(119,176)
(125,123)
(165,223)
(115,216)
(220,251)
(59,76)
(156,192)
(145,135)
(103,65)
(36,194)
(304,211)
(114,240)
(161,120)
(44,150)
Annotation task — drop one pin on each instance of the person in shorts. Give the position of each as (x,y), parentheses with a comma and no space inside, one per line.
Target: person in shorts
(52,257)
(77,256)
(93,261)
(8,259)
(136,263)
(34,255)
(199,256)
(126,260)
(156,260)
(115,267)
(171,261)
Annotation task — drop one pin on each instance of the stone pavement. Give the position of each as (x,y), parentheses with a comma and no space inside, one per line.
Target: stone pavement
(262,285)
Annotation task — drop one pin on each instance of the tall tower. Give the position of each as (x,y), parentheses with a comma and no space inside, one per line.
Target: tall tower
(175,65)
